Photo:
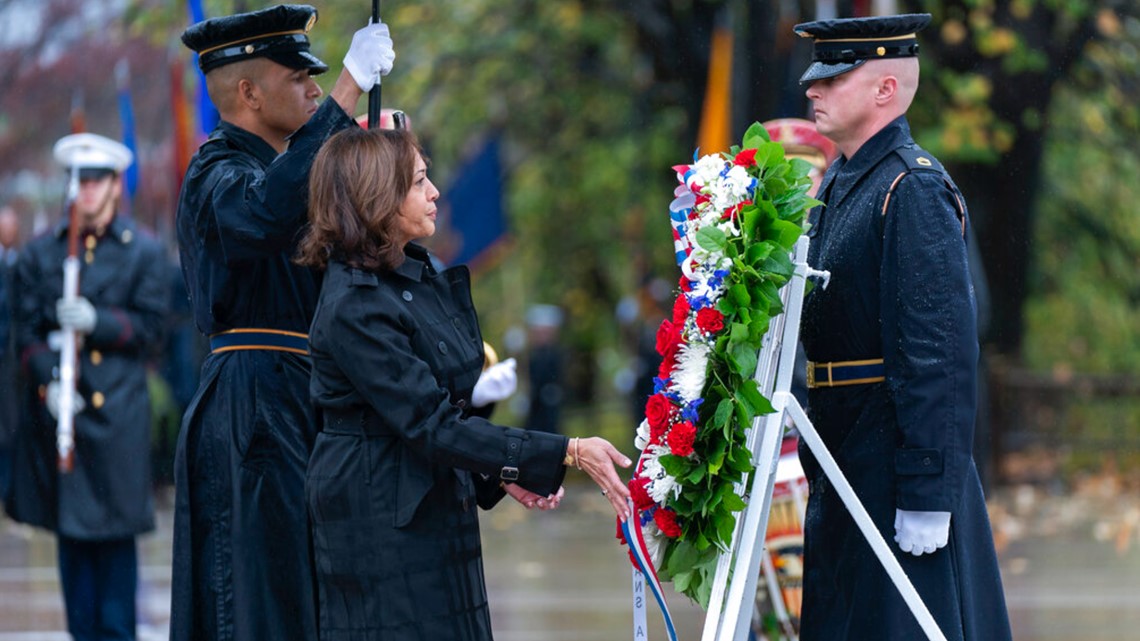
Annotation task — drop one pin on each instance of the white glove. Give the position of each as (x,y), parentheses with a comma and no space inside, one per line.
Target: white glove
(78,314)
(921,532)
(495,383)
(370,56)
(51,399)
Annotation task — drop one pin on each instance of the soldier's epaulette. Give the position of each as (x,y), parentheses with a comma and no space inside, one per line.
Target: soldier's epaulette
(917,158)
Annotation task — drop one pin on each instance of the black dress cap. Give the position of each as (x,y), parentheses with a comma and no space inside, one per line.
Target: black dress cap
(279,33)
(843,44)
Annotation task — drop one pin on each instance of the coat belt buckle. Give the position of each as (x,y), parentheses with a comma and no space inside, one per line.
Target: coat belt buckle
(509,473)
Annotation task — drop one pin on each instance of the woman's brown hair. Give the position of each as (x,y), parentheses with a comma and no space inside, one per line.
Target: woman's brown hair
(358,182)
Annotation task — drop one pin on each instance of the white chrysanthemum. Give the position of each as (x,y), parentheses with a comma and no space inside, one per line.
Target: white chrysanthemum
(655,542)
(642,438)
(661,485)
(689,372)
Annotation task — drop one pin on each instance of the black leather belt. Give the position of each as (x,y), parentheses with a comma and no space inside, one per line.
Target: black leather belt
(840,373)
(354,422)
(253,338)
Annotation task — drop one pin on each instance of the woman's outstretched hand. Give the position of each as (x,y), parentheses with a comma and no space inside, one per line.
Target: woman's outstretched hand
(598,457)
(530,499)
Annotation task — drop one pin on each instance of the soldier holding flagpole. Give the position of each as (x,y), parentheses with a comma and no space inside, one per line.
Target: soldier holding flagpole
(242,555)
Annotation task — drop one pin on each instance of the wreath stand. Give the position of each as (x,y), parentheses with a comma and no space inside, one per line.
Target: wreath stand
(739,567)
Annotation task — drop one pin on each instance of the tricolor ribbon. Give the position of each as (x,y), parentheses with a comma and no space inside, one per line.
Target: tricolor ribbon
(631,532)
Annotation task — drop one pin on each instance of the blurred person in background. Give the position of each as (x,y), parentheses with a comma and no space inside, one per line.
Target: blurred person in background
(9,239)
(404,459)
(242,553)
(545,369)
(105,501)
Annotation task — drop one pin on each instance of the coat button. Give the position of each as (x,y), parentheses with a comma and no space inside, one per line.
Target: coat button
(442,347)
(926,461)
(97,400)
(407,296)
(96,357)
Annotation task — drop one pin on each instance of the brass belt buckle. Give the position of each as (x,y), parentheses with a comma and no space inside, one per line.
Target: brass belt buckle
(810,375)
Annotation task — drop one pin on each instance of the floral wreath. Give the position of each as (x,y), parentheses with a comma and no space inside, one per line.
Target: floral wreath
(735,219)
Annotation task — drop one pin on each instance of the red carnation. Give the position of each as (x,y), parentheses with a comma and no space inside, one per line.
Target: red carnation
(746,158)
(641,498)
(681,438)
(681,306)
(658,409)
(665,337)
(710,320)
(686,285)
(666,521)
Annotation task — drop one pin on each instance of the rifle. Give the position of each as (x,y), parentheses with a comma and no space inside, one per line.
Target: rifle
(68,361)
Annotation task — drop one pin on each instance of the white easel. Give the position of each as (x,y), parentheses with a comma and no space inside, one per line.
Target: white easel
(738,568)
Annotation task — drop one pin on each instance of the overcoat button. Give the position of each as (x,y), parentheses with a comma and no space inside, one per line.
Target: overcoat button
(926,461)
(407,296)
(442,347)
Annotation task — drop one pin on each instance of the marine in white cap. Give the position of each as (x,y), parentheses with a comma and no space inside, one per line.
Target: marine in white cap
(116,315)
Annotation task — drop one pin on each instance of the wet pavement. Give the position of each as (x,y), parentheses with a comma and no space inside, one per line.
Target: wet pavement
(561,575)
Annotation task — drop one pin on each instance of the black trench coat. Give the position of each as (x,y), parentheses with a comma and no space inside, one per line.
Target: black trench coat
(900,290)
(396,474)
(242,560)
(108,494)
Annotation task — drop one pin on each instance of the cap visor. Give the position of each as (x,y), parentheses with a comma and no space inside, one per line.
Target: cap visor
(822,70)
(299,60)
(95,173)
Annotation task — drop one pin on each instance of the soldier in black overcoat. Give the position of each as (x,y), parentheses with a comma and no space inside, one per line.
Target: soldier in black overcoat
(893,350)
(242,558)
(402,460)
(106,499)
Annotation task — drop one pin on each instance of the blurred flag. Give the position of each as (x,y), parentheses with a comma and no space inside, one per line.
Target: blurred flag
(184,143)
(77,117)
(474,204)
(127,116)
(716,114)
(207,114)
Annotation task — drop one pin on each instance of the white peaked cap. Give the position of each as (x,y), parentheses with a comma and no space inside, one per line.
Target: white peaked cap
(91,151)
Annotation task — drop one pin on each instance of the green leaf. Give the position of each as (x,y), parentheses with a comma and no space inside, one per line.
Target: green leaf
(755,136)
(757,253)
(744,357)
(711,238)
(784,233)
(723,413)
(740,295)
(675,465)
(698,473)
(749,395)
(681,559)
(733,501)
(681,581)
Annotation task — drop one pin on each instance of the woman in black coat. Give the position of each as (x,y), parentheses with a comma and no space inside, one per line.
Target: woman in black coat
(401,461)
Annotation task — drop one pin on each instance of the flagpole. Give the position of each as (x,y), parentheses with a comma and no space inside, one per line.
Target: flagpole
(374,94)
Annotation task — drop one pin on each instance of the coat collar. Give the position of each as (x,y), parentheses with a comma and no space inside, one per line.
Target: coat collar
(251,143)
(121,228)
(845,173)
(417,263)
